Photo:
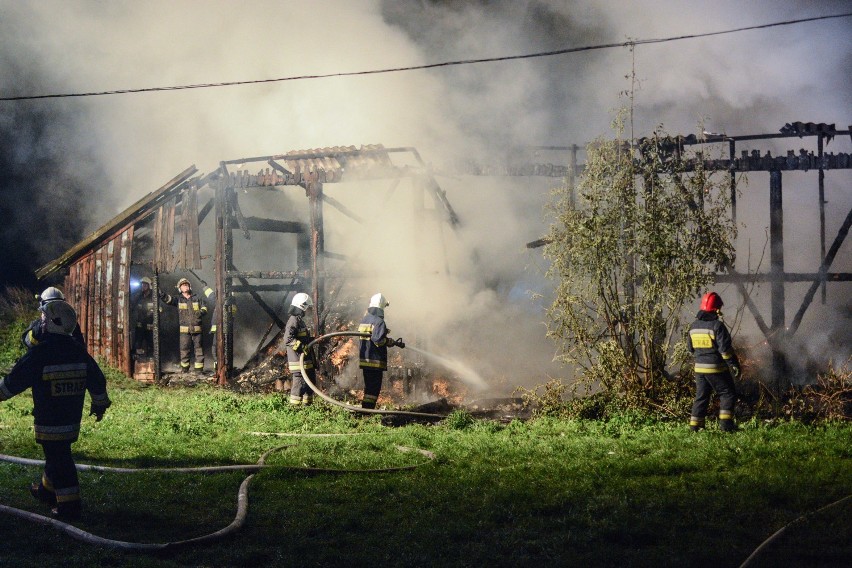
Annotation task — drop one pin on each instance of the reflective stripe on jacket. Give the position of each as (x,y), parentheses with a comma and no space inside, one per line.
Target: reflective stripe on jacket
(297,337)
(59,371)
(711,344)
(373,351)
(190,311)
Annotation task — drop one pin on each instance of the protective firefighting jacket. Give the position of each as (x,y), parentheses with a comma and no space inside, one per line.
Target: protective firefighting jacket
(143,309)
(710,342)
(59,371)
(210,295)
(35,334)
(190,311)
(373,352)
(297,337)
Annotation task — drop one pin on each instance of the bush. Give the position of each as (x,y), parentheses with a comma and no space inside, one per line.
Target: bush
(644,235)
(829,399)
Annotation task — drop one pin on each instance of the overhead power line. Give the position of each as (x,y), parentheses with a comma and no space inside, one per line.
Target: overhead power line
(628,43)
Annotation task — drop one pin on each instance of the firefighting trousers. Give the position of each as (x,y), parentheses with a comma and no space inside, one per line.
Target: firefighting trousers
(300,392)
(143,341)
(60,473)
(213,348)
(372,387)
(188,343)
(705,384)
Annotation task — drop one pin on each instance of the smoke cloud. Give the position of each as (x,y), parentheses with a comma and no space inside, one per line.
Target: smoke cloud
(464,292)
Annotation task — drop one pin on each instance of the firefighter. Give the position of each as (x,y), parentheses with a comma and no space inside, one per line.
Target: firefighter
(716,364)
(191,308)
(35,331)
(373,352)
(59,371)
(297,337)
(210,299)
(143,305)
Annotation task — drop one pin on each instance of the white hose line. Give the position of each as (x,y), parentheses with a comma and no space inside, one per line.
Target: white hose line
(350,407)
(234,526)
(781,531)
(89,538)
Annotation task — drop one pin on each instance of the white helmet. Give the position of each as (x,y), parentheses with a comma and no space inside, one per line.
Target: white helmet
(302,301)
(184,281)
(146,280)
(50,295)
(379,301)
(59,317)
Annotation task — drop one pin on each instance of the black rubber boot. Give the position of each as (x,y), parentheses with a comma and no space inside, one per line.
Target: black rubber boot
(45,496)
(727,425)
(71,510)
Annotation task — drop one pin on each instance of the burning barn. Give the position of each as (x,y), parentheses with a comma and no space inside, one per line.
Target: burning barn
(253,236)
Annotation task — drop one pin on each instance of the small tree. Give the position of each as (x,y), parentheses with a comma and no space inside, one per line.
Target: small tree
(649,230)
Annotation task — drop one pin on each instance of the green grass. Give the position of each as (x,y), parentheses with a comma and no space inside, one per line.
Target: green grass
(546,492)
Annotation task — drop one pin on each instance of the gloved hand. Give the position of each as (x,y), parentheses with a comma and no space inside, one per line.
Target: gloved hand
(161,294)
(97,411)
(735,370)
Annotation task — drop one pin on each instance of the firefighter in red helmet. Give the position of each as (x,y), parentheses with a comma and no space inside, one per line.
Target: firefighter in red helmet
(716,364)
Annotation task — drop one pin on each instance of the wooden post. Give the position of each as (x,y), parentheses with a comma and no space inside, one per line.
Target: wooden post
(314,190)
(776,270)
(155,291)
(219,279)
(821,209)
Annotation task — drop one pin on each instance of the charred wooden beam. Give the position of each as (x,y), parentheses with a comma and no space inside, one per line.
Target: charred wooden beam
(238,213)
(342,208)
(272,225)
(826,264)
(295,287)
(263,305)
(267,274)
(786,277)
(317,247)
(205,210)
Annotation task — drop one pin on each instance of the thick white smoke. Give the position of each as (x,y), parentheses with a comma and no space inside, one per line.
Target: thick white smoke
(748,82)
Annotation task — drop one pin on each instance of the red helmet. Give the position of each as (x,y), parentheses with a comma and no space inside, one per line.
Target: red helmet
(711,302)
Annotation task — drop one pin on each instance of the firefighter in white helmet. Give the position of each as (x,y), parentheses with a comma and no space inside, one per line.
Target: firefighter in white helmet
(59,371)
(296,338)
(191,309)
(373,352)
(35,332)
(142,305)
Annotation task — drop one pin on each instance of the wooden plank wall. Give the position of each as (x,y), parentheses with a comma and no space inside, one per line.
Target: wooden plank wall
(98,287)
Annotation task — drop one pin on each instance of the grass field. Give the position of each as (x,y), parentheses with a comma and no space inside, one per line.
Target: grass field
(544,492)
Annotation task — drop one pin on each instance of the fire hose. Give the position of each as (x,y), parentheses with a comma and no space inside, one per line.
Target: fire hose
(233,527)
(350,407)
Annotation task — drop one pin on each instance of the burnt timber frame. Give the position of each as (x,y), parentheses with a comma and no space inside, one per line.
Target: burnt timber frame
(97,269)
(310,171)
(749,161)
